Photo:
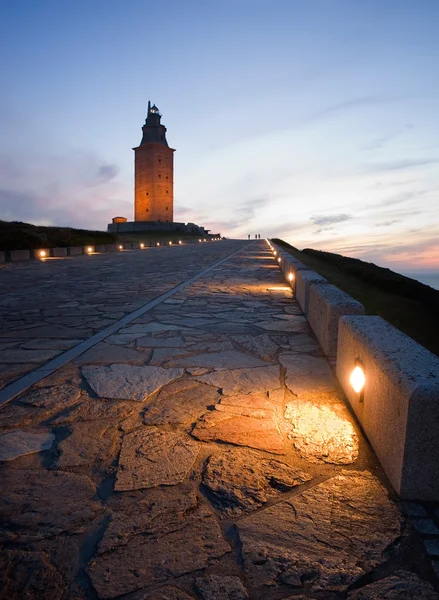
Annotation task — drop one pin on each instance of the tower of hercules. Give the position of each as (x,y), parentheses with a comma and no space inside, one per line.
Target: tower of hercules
(153,172)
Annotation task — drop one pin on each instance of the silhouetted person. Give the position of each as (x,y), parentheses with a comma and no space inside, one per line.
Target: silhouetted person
(248,236)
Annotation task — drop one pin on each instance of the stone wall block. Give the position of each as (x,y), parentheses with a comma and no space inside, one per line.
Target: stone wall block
(399,405)
(2,256)
(75,250)
(20,255)
(326,304)
(58,252)
(304,280)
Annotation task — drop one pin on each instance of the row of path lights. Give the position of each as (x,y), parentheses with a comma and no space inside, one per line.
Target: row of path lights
(357,377)
(43,254)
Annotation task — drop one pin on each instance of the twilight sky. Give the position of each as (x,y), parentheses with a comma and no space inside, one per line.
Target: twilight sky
(312,120)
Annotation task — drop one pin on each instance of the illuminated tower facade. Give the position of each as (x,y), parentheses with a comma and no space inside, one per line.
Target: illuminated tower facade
(154,172)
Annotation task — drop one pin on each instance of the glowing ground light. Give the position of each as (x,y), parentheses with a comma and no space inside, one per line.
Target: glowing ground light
(279,259)
(290,277)
(89,250)
(274,252)
(120,247)
(42,253)
(142,245)
(357,379)
(199,240)
(179,241)
(158,244)
(170,243)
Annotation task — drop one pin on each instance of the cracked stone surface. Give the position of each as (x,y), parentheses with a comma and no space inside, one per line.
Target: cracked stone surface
(182,401)
(150,457)
(184,536)
(128,382)
(38,503)
(29,575)
(241,480)
(403,585)
(244,421)
(306,374)
(328,536)
(227,359)
(181,469)
(221,587)
(261,345)
(21,442)
(167,592)
(108,353)
(244,381)
(322,429)
(85,444)
(52,398)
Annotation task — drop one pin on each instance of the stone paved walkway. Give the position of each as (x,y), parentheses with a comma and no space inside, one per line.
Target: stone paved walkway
(204,451)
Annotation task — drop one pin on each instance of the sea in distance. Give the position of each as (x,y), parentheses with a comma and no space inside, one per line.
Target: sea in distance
(430,278)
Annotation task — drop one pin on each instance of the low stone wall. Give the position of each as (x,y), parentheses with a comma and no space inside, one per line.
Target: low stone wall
(2,257)
(399,405)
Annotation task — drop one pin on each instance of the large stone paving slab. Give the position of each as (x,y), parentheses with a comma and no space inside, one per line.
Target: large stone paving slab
(150,457)
(322,429)
(180,402)
(128,382)
(327,537)
(241,480)
(86,444)
(167,592)
(248,420)
(167,535)
(403,585)
(111,353)
(29,575)
(227,359)
(21,442)
(261,345)
(244,381)
(35,504)
(306,374)
(221,587)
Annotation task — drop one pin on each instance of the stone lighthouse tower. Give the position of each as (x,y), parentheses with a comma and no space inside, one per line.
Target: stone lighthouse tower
(154,172)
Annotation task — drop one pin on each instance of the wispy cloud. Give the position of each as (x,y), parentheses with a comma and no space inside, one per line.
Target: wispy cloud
(382,140)
(399,165)
(329,219)
(74,190)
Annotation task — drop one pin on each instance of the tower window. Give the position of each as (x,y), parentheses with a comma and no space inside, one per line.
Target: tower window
(166,177)
(147,210)
(167,208)
(166,191)
(147,194)
(160,176)
(160,160)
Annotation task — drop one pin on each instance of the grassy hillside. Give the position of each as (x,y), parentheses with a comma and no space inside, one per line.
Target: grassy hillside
(409,305)
(15,235)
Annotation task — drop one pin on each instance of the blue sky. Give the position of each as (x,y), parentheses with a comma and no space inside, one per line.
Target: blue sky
(312,120)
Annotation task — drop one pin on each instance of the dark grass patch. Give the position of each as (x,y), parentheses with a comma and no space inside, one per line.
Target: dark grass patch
(408,304)
(15,235)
